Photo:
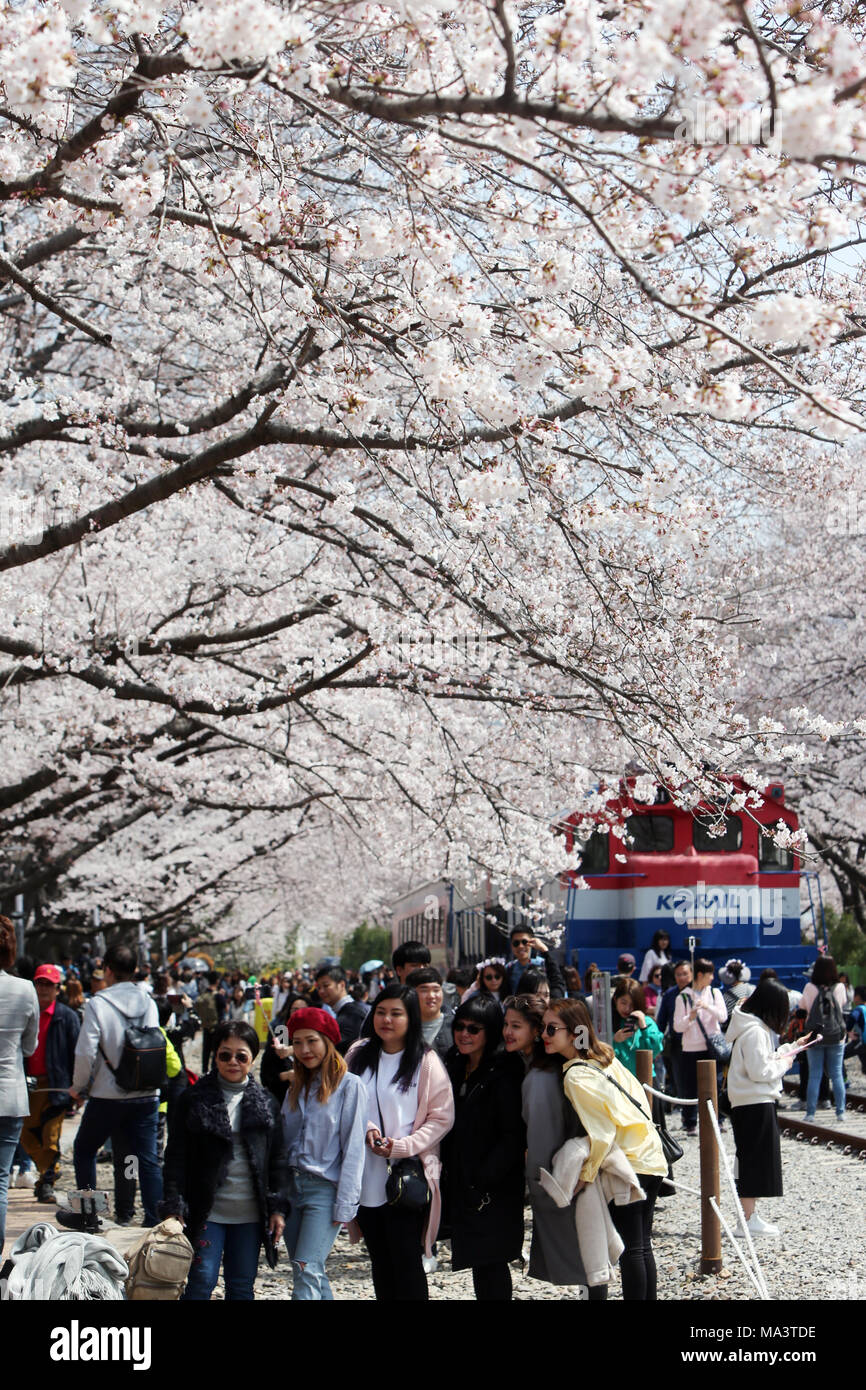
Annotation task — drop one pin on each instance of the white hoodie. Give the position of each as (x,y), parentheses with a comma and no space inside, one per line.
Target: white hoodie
(757,1066)
(106,1017)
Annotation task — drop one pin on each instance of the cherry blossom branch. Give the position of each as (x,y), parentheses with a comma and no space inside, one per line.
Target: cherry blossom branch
(48,301)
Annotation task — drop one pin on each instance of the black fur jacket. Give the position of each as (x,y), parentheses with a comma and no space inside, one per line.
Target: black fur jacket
(199,1150)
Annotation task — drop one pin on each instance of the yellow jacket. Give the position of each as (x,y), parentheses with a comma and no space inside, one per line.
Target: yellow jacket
(610,1118)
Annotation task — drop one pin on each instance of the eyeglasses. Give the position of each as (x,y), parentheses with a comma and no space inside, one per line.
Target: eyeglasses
(473,1028)
(491,979)
(525,941)
(553,1028)
(234,1057)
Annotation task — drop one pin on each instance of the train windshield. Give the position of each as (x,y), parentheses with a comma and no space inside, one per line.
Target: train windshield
(593,853)
(773,857)
(706,841)
(650,834)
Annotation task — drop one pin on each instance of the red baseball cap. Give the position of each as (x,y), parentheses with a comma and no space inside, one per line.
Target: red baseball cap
(47,972)
(318,1020)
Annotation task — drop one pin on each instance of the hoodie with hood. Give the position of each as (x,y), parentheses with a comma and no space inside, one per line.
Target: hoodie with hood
(107,1015)
(757,1065)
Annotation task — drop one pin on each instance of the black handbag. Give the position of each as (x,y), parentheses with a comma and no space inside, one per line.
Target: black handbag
(672,1150)
(717,1043)
(270,1247)
(406,1185)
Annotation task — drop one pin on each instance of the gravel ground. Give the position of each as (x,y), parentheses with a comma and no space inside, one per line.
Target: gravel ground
(794,1263)
(807,1260)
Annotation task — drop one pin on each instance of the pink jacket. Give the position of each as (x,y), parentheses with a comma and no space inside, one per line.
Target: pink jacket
(433,1119)
(712,1013)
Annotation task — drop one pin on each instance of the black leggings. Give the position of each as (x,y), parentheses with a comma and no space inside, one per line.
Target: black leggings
(635,1225)
(491,1282)
(393,1238)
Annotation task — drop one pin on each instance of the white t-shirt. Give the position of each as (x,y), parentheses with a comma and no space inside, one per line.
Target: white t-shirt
(398,1109)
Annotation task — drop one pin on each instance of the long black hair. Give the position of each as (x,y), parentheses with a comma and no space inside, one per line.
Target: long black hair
(414,1047)
(654,944)
(770,1003)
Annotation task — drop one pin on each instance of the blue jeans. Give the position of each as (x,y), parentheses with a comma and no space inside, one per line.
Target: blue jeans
(240,1245)
(10,1133)
(136,1122)
(310,1235)
(829,1056)
(22,1159)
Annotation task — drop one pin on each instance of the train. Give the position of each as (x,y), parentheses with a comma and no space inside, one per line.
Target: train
(719,885)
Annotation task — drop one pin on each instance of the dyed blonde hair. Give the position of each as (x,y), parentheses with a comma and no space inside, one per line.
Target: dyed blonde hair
(331,1072)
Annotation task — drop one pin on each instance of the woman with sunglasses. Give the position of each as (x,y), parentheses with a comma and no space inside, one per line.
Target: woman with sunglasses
(324,1127)
(409,1111)
(653,990)
(613,1110)
(225,1172)
(554,1254)
(483,1156)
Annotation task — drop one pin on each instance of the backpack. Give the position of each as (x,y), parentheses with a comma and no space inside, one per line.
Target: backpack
(142,1064)
(826,1017)
(159,1263)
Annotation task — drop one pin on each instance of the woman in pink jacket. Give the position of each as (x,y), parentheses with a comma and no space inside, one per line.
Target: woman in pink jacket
(699,1012)
(410,1110)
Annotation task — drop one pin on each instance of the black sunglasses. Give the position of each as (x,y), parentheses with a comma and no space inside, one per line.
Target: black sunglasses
(234,1057)
(473,1028)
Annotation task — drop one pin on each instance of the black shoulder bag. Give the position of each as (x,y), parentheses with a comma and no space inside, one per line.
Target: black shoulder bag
(672,1151)
(406,1185)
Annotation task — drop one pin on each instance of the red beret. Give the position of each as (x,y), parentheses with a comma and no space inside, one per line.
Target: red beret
(317,1019)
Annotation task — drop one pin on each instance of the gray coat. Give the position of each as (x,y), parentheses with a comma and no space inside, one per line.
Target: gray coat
(554,1254)
(19,1034)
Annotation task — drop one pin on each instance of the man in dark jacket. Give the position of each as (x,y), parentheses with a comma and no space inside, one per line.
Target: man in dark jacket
(523,945)
(49,1073)
(349,1013)
(435,1026)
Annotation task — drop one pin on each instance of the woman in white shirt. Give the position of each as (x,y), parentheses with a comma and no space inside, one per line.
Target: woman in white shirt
(659,953)
(699,1013)
(410,1109)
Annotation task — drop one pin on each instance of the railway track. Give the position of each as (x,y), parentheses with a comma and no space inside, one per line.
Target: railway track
(839,1139)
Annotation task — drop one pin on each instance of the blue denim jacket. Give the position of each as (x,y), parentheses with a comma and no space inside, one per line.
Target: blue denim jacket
(327,1141)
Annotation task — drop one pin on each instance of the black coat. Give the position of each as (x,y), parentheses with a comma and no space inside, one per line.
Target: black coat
(483,1158)
(350,1021)
(199,1151)
(60,1043)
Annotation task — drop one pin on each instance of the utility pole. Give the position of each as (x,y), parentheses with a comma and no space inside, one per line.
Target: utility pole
(19,918)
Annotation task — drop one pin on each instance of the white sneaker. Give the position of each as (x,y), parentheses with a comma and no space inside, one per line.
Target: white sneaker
(430,1263)
(26,1179)
(757,1227)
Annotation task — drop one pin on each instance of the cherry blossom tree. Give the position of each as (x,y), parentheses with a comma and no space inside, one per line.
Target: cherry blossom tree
(388,395)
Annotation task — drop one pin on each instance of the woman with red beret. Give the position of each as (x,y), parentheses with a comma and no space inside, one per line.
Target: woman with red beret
(324,1125)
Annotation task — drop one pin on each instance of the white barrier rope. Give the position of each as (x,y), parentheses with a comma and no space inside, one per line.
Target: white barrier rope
(759,1282)
(671,1100)
(728,1232)
(681,1187)
(740,1213)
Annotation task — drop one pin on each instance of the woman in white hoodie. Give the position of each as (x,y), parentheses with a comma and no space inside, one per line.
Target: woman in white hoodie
(754,1081)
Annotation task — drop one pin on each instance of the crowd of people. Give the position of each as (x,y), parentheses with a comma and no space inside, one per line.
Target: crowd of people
(402,1106)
